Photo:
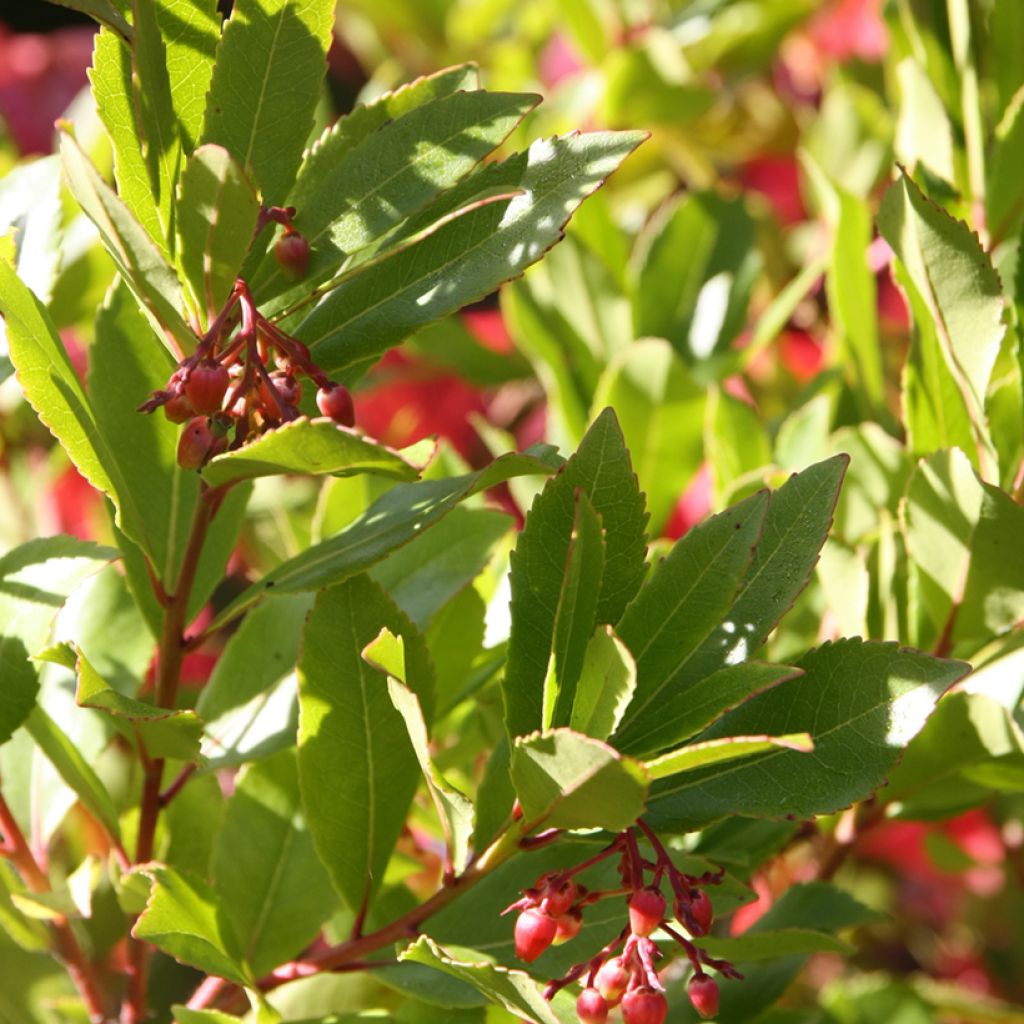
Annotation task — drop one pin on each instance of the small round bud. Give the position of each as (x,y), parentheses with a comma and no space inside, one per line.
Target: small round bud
(646,909)
(592,1007)
(335,402)
(291,251)
(557,894)
(644,1005)
(702,913)
(195,443)
(569,925)
(288,389)
(206,386)
(703,993)
(612,979)
(534,932)
(178,409)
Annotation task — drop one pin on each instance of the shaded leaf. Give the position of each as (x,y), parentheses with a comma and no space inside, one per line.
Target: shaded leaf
(566,780)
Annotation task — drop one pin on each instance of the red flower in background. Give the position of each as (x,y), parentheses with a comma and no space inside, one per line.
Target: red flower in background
(39,76)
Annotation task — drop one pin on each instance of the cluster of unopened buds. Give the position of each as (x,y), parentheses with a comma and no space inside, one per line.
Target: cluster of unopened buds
(244,376)
(624,973)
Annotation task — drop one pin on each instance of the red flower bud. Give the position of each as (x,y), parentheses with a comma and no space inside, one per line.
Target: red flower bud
(336,402)
(178,409)
(703,993)
(612,979)
(591,1007)
(292,254)
(534,932)
(206,386)
(701,912)
(557,894)
(644,1006)
(646,909)
(195,443)
(569,925)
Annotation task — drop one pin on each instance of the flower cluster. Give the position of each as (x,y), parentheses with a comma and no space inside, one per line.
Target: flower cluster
(226,392)
(624,973)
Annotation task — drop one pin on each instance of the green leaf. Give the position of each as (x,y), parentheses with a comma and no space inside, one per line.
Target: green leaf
(347,196)
(103,11)
(266,876)
(404,512)
(73,768)
(661,410)
(249,702)
(861,702)
(137,258)
(35,581)
(183,1015)
(454,808)
(29,934)
(425,574)
(605,688)
(676,612)
(575,614)
(467,257)
(184,919)
(732,748)
(157,124)
(163,733)
(955,278)
(191,32)
(30,205)
(351,736)
(1003,203)
(694,269)
(770,945)
(516,991)
(959,532)
(601,469)
(565,780)
(736,442)
(970,747)
(265,87)
(317,447)
(850,287)
(924,134)
(217,213)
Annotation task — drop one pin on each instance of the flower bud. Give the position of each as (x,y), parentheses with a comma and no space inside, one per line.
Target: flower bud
(206,386)
(336,403)
(178,409)
(612,979)
(591,1007)
(644,1006)
(701,912)
(195,443)
(568,925)
(291,251)
(534,932)
(646,909)
(703,993)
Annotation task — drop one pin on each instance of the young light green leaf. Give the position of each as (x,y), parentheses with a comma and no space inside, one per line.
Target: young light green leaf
(958,532)
(955,278)
(351,736)
(396,518)
(30,206)
(736,442)
(28,933)
(114,92)
(605,688)
(317,447)
(136,256)
(516,991)
(73,768)
(454,808)
(183,1015)
(601,469)
(566,780)
(35,580)
(216,217)
(467,257)
(184,919)
(425,574)
(191,32)
(861,702)
(732,748)
(661,409)
(678,609)
(343,205)
(265,86)
(157,124)
(273,890)
(576,611)
(924,134)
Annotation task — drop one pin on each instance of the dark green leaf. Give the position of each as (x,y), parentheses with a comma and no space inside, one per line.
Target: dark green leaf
(566,780)
(266,875)
(466,258)
(861,703)
(357,768)
(602,470)
(676,613)
(184,919)
(265,87)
